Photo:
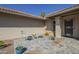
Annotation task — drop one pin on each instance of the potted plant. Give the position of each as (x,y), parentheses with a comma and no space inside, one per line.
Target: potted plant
(20,49)
(46,33)
(29,38)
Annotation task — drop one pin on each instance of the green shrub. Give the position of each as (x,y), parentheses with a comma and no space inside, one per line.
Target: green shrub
(19,48)
(1,43)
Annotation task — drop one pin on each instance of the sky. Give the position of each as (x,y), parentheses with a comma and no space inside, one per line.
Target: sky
(36,9)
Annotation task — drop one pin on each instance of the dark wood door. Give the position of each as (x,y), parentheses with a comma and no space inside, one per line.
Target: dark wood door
(54,24)
(69,28)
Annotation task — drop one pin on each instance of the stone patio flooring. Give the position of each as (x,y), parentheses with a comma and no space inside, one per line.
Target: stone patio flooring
(58,46)
(45,46)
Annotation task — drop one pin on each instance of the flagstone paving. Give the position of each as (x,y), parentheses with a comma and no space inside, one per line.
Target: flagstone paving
(47,46)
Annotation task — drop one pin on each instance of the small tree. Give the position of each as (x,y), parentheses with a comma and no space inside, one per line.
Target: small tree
(43,14)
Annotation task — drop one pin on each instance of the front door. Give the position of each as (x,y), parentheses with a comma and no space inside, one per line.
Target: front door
(68,28)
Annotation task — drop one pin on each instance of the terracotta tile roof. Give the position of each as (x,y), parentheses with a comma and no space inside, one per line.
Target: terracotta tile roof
(15,12)
(63,11)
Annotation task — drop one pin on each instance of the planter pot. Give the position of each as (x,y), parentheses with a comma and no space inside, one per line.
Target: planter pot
(20,51)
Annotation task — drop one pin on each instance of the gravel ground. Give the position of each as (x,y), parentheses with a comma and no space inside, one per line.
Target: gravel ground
(9,49)
(47,46)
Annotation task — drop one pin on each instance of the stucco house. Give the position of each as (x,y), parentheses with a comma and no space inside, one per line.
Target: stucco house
(13,22)
(61,23)
(65,23)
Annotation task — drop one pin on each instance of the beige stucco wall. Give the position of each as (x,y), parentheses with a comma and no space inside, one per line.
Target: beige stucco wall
(11,26)
(58,27)
(77,26)
(49,24)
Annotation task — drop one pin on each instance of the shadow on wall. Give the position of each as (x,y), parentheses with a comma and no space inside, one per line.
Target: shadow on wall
(9,20)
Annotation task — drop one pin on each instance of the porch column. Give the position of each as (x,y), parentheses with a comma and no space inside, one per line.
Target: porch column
(58,27)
